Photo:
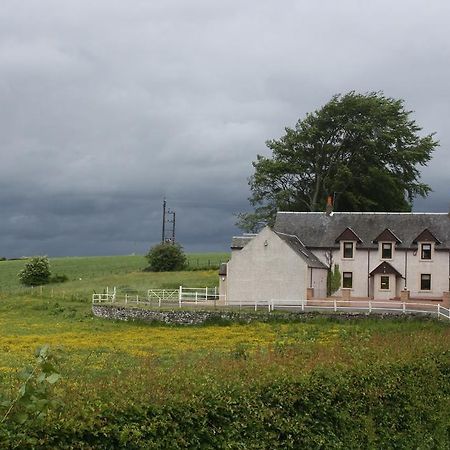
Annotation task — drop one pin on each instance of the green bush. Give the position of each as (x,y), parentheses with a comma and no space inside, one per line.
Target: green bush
(36,272)
(166,257)
(397,405)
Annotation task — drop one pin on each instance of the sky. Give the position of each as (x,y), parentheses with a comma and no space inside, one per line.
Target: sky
(107,107)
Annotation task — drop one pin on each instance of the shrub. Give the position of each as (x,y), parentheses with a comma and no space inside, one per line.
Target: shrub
(333,280)
(36,272)
(166,257)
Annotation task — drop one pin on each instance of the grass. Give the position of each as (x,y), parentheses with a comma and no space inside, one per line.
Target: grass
(115,366)
(96,272)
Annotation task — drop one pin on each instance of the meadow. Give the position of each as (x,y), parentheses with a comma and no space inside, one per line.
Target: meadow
(318,382)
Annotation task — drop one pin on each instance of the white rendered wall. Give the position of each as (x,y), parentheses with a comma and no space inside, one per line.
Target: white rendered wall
(438,267)
(265,269)
(362,264)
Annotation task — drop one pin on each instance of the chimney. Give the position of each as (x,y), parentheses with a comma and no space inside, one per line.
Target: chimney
(329,209)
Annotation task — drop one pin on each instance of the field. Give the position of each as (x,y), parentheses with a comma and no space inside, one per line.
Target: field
(95,273)
(315,383)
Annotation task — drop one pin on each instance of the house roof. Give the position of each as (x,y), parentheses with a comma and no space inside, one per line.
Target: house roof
(426,236)
(348,235)
(298,247)
(239,242)
(319,230)
(385,269)
(387,236)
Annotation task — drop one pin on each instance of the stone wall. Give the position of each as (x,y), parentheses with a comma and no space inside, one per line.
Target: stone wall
(198,317)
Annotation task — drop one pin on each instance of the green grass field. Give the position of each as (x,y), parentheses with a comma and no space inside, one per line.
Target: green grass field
(320,381)
(95,272)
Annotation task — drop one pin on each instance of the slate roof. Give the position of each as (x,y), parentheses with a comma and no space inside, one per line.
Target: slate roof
(298,247)
(319,230)
(239,242)
(386,268)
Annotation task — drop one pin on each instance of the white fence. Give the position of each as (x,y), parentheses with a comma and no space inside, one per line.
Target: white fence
(369,306)
(181,296)
(105,297)
(209,296)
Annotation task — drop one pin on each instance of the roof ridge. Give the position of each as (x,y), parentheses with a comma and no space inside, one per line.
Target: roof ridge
(367,213)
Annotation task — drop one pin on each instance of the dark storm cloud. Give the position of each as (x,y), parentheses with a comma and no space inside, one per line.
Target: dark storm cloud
(107,106)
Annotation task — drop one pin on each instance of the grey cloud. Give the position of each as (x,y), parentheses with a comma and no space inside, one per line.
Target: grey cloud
(107,107)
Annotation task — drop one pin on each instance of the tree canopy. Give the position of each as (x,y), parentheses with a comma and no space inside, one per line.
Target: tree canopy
(166,257)
(362,149)
(36,272)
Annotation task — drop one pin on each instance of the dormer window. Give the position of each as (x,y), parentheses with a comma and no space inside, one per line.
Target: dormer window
(348,239)
(426,242)
(348,250)
(425,251)
(387,240)
(386,250)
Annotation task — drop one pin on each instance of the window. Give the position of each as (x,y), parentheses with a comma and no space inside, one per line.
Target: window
(384,282)
(348,250)
(425,251)
(425,282)
(347,279)
(386,250)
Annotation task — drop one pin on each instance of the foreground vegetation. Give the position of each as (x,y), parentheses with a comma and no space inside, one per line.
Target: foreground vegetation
(318,383)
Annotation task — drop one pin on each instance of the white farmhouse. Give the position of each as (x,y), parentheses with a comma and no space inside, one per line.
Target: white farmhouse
(380,256)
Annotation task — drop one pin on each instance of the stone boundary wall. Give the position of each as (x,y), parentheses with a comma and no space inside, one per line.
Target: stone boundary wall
(198,317)
(184,317)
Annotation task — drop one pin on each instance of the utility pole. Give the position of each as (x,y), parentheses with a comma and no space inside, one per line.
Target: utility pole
(165,220)
(163,237)
(173,224)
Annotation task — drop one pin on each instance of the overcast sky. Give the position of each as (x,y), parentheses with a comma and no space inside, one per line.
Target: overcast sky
(108,106)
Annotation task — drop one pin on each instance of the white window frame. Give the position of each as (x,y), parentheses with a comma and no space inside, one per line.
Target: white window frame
(388,283)
(421,279)
(348,278)
(352,243)
(422,244)
(391,244)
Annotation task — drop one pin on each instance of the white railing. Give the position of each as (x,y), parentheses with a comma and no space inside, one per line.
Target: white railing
(209,296)
(181,296)
(105,297)
(361,305)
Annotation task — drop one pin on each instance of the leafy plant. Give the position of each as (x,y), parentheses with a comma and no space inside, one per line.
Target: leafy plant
(35,395)
(362,149)
(334,279)
(166,257)
(36,272)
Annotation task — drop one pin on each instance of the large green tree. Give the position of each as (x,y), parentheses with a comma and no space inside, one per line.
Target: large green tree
(362,149)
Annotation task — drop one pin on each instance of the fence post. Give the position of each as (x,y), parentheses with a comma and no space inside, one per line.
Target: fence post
(180,294)
(256,305)
(439,310)
(196,294)
(370,306)
(126,299)
(404,307)
(303,304)
(206,293)
(334,304)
